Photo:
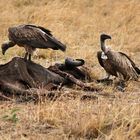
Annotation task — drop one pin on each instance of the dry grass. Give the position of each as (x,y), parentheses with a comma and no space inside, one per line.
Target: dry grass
(77,23)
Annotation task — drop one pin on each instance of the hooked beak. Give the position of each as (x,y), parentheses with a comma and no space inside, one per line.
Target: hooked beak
(3,49)
(104,37)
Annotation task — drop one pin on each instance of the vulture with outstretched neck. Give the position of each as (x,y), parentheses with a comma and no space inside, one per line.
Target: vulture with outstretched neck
(31,37)
(116,63)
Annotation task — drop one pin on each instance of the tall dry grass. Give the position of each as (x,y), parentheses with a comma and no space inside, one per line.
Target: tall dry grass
(77,23)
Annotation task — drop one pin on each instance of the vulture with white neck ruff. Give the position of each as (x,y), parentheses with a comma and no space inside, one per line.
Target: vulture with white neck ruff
(116,63)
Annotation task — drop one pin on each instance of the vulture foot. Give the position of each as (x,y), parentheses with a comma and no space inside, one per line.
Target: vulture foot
(121,86)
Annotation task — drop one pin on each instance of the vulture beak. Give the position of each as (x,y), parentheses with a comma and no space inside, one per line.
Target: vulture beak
(4,47)
(103,37)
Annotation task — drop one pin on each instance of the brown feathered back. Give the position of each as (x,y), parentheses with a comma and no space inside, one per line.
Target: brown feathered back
(122,65)
(34,36)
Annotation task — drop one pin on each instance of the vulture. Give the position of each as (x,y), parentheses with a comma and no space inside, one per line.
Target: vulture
(31,37)
(116,63)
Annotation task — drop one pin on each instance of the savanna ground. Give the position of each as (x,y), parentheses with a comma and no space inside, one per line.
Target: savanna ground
(78,24)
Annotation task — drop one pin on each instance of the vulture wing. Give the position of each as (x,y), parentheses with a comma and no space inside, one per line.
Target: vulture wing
(40,27)
(122,64)
(133,64)
(34,36)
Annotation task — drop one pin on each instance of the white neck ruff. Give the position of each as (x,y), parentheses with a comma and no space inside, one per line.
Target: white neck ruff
(103,56)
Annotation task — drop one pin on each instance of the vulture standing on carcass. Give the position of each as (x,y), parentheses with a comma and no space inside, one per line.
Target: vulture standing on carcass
(31,37)
(116,63)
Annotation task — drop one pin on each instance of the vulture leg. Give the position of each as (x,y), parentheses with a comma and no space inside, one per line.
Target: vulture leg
(108,76)
(26,55)
(121,85)
(29,52)
(29,57)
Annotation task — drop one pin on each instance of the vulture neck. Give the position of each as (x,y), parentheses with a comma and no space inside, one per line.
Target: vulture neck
(103,47)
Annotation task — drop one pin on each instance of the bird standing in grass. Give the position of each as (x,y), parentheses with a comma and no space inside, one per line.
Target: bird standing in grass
(31,37)
(116,63)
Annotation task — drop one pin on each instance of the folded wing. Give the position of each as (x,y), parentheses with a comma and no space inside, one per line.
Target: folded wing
(34,36)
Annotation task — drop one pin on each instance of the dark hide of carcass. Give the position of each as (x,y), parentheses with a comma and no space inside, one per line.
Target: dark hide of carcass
(19,76)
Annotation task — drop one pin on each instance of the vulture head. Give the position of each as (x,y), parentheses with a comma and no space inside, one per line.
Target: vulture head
(103,37)
(74,63)
(4,47)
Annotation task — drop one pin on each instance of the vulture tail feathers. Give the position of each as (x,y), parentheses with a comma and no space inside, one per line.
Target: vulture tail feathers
(57,44)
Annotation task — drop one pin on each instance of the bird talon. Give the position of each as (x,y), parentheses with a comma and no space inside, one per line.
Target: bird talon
(120,88)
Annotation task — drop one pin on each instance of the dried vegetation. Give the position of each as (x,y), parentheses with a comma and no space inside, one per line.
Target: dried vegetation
(77,23)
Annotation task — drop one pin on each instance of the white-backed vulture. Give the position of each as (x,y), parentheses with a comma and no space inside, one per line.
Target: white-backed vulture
(31,37)
(116,63)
